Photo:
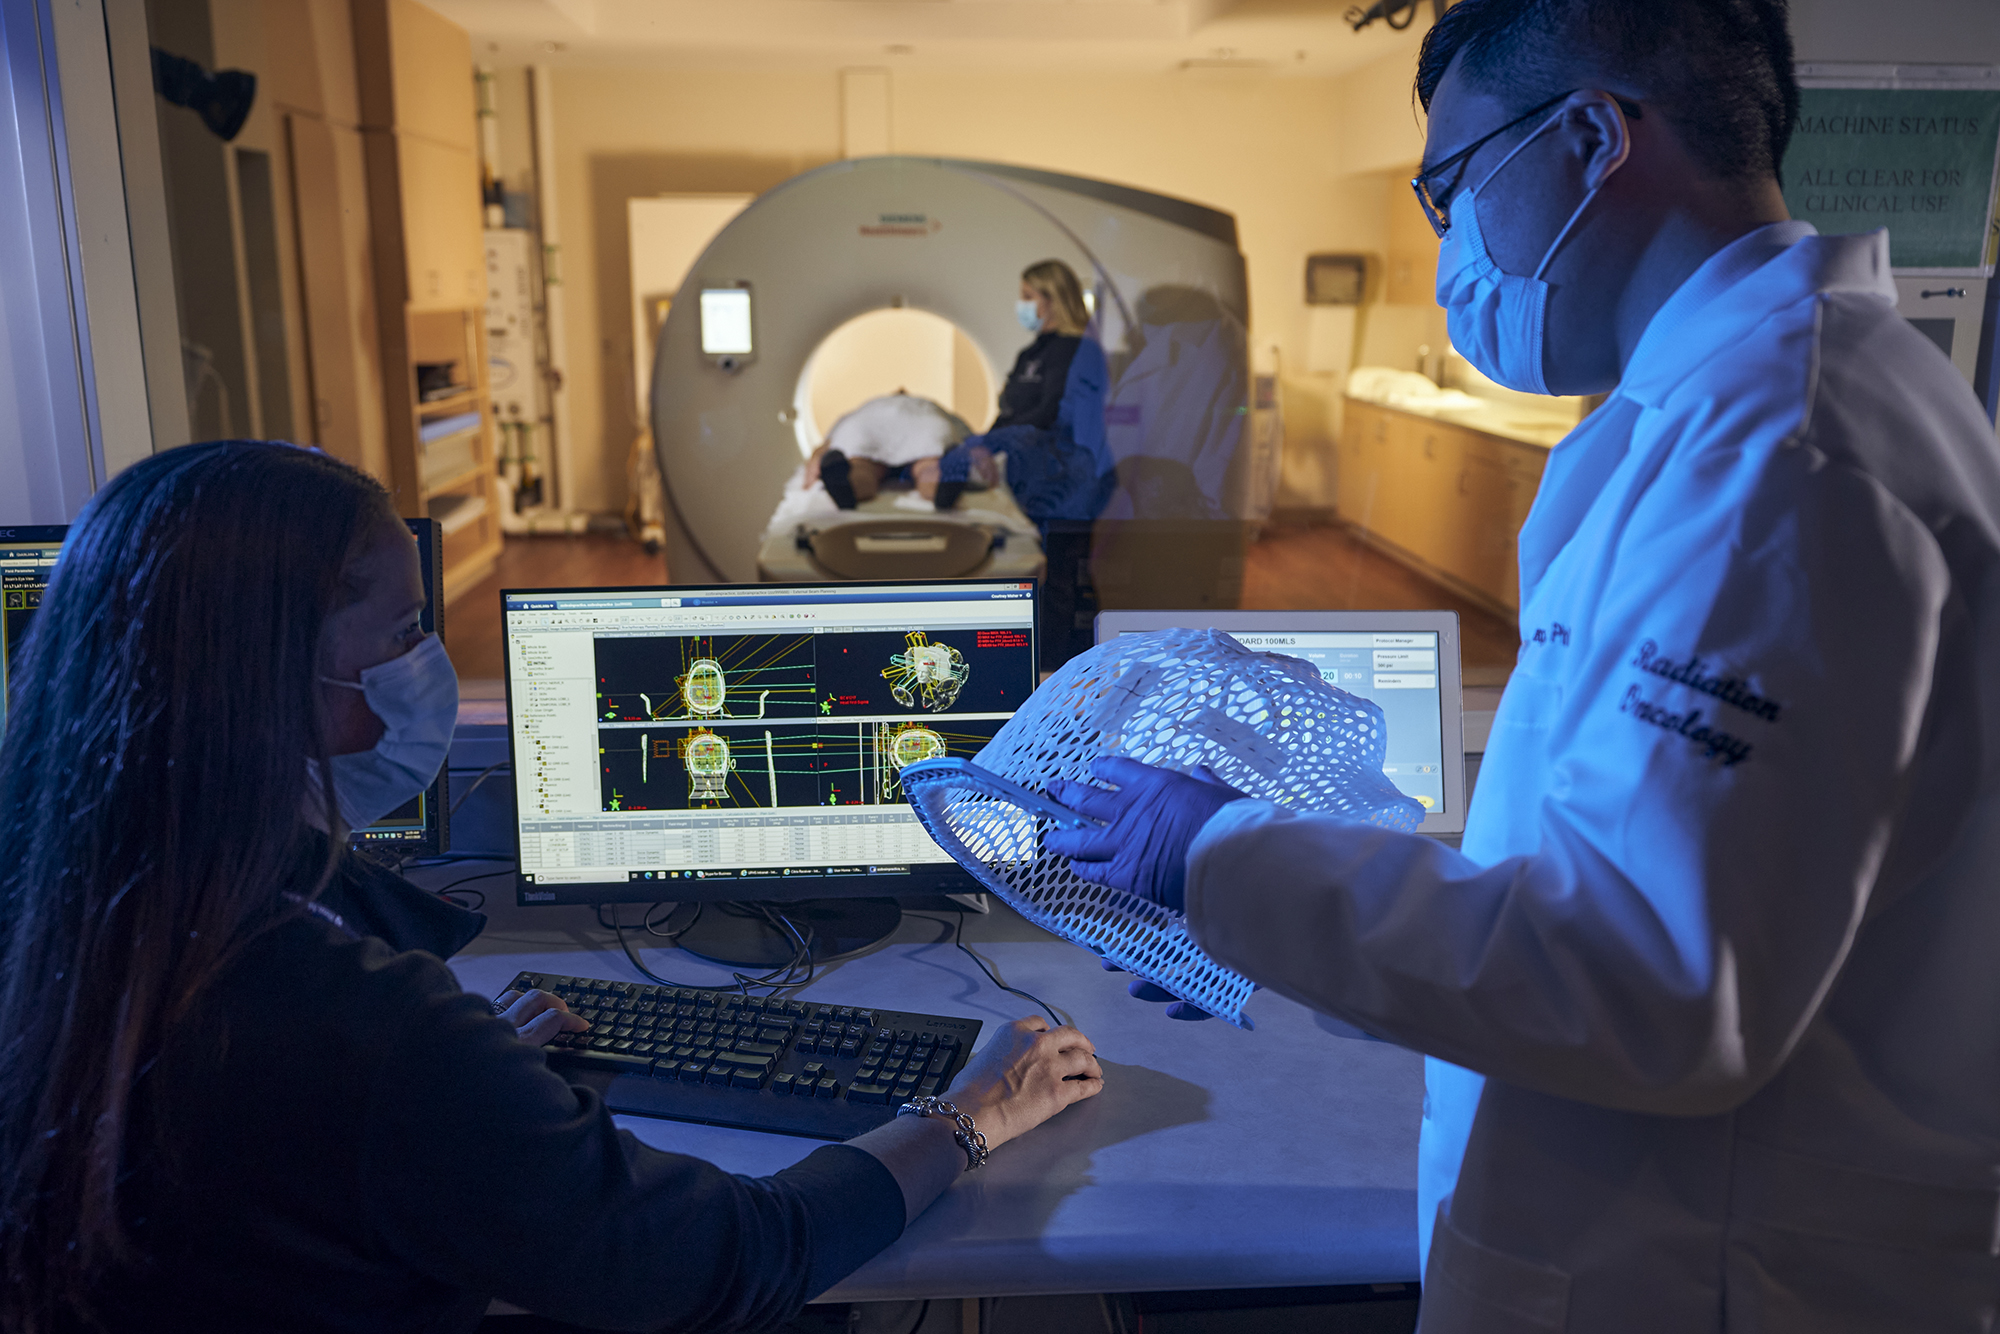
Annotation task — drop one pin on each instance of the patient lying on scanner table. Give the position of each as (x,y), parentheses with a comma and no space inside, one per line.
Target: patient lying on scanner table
(882,459)
(897,438)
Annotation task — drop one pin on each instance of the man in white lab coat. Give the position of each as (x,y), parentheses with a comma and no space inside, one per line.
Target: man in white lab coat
(1723,945)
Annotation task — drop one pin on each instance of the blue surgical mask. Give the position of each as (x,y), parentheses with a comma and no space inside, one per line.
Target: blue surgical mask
(1030,318)
(416,697)
(1498,321)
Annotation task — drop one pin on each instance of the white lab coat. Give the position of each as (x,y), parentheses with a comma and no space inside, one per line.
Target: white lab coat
(1724,937)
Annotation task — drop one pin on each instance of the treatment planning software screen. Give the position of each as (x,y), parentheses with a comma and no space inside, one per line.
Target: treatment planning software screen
(1397,670)
(751,734)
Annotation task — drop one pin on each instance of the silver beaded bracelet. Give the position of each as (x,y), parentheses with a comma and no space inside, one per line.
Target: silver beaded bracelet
(966,1133)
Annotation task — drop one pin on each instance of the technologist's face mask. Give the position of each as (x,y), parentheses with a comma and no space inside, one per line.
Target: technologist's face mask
(416,697)
(1029,316)
(1498,320)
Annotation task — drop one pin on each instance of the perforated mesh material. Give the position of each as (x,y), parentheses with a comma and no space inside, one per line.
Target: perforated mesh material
(1267,725)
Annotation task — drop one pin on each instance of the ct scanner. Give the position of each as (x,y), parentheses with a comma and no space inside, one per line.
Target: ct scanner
(951,238)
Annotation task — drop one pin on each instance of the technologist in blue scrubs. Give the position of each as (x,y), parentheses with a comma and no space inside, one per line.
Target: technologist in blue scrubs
(1050,427)
(239,1089)
(1710,995)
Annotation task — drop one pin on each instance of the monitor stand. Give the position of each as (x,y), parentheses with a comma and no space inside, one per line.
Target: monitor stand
(729,933)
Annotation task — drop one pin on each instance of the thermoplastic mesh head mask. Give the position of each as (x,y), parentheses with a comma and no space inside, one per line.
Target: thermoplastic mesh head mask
(1269,726)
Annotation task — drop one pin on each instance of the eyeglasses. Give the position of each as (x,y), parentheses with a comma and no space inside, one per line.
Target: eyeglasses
(1436,203)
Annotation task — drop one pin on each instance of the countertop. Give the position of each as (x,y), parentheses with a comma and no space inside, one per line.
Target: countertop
(1522,425)
(1214,1158)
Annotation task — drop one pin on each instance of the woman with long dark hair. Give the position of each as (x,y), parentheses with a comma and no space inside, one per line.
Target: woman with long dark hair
(238,1089)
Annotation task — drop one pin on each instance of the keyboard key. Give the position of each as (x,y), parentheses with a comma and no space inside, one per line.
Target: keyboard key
(928,1088)
(812,1072)
(617,1061)
(759,1065)
(851,1047)
(758,1048)
(621,1044)
(692,1071)
(875,1094)
(747,1078)
(718,1073)
(782,1085)
(828,1087)
(938,1062)
(867,1074)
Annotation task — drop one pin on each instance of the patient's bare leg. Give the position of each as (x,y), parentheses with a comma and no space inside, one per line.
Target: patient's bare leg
(848,481)
(867,476)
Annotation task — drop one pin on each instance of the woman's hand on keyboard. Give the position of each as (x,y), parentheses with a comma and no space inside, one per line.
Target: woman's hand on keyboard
(1026,1074)
(537,1016)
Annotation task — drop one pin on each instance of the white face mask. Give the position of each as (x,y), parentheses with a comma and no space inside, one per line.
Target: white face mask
(1497,320)
(1028,315)
(416,697)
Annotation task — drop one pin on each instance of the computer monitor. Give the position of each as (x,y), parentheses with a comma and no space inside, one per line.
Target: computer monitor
(1405,661)
(744,741)
(421,826)
(27,559)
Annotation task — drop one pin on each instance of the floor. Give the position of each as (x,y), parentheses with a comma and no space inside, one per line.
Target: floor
(472,619)
(1293,567)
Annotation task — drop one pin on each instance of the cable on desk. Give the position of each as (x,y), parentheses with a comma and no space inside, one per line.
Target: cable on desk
(484,774)
(958,939)
(445,892)
(798,970)
(784,975)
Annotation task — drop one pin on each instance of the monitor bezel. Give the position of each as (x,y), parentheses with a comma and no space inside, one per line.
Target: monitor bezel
(922,880)
(1450,823)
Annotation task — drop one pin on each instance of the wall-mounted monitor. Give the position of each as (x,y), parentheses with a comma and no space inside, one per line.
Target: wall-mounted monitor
(726,328)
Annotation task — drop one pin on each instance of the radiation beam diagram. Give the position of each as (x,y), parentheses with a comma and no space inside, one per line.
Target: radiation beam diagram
(704,691)
(705,755)
(898,745)
(933,672)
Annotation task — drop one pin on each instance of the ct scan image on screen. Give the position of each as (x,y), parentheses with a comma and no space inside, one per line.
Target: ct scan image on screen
(749,733)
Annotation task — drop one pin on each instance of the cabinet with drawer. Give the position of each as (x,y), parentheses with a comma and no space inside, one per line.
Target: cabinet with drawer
(1446,500)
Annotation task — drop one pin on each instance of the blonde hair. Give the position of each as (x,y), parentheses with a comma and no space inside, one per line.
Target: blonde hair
(1057,282)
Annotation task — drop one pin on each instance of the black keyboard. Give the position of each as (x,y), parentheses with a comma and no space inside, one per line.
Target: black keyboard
(757,1062)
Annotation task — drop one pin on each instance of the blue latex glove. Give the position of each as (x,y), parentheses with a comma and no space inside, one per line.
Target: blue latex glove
(1146,991)
(1151,819)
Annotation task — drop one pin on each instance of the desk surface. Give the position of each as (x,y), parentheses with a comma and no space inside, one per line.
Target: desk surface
(1214,1158)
